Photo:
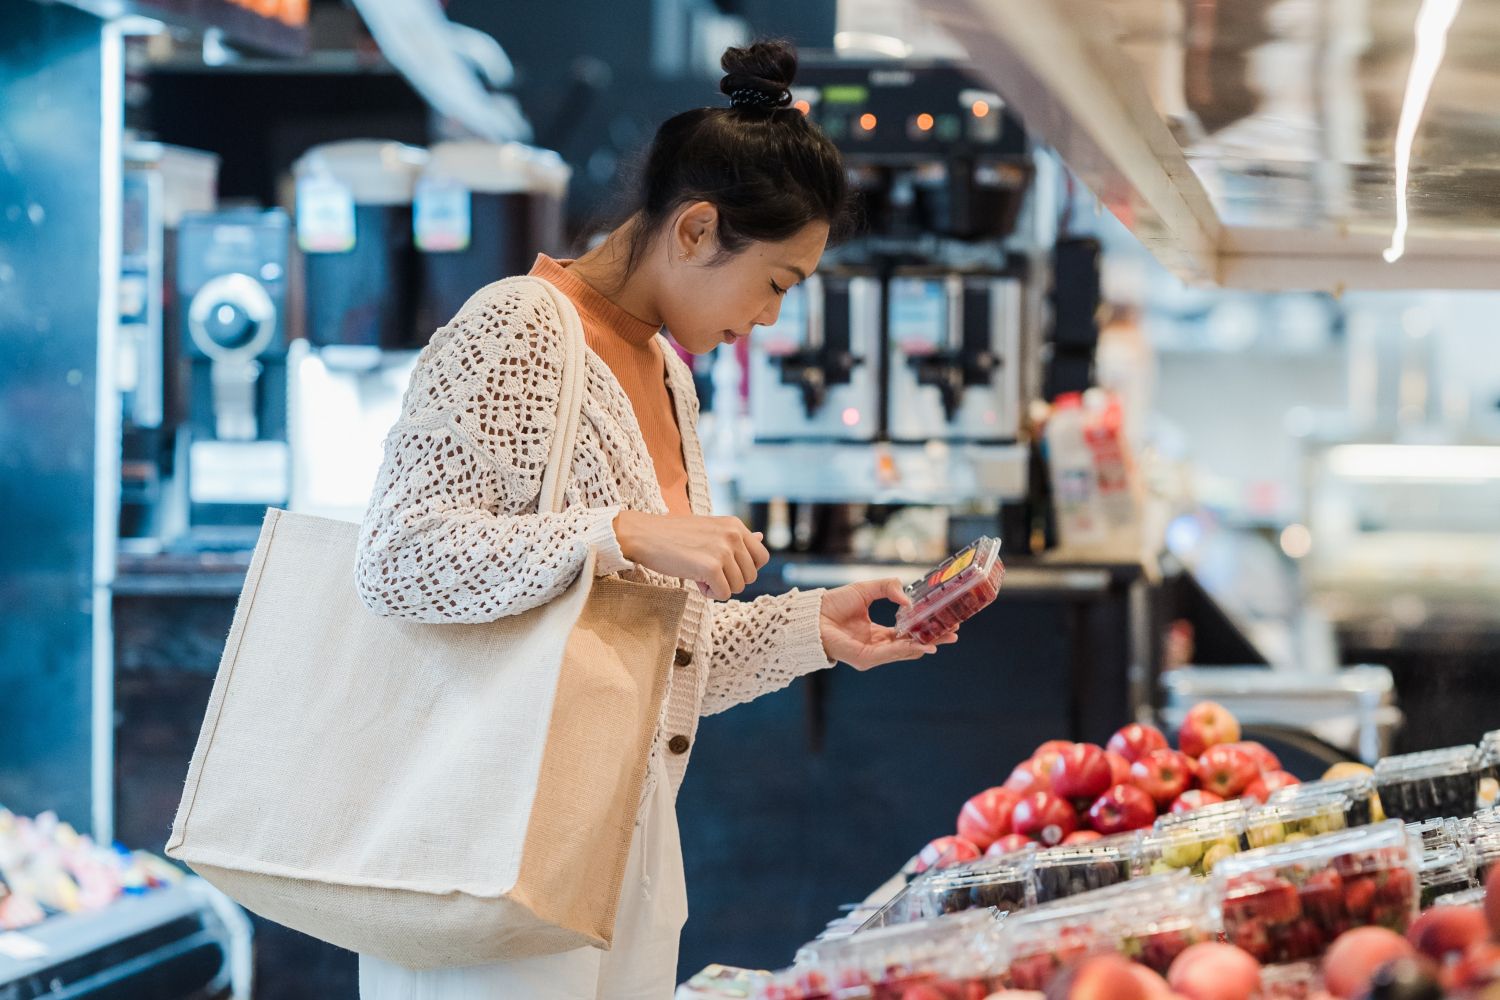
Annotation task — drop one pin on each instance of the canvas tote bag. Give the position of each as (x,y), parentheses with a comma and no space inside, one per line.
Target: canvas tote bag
(431,794)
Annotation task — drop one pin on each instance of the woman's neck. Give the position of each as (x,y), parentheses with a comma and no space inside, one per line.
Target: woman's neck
(606,269)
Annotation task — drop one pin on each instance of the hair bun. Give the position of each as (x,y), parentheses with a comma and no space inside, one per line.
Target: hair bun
(760,75)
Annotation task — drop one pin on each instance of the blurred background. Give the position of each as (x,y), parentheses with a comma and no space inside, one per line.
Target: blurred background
(1117,299)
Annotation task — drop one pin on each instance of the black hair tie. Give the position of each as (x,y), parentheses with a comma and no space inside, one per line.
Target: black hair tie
(749,97)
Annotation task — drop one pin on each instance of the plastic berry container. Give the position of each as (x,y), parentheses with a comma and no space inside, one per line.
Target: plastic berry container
(1444,869)
(949,955)
(1151,919)
(1363,806)
(1288,903)
(1003,883)
(1433,833)
(1233,811)
(1061,872)
(1196,841)
(1429,785)
(953,592)
(1159,917)
(1296,819)
(1465,897)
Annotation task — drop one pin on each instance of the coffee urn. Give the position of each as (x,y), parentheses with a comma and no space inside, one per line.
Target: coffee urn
(483,211)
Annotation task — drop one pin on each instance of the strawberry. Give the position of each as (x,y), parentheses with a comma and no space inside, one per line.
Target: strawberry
(1359,897)
(1263,896)
(1322,897)
(1253,937)
(1396,886)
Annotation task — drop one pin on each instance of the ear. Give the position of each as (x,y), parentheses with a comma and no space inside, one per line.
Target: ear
(695,233)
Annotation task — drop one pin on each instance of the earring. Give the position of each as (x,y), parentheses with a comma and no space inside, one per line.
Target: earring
(684,255)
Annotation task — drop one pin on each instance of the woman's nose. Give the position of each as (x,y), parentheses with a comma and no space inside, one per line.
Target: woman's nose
(769,315)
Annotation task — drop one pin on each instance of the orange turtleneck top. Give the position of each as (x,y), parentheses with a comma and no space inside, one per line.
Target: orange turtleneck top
(631,349)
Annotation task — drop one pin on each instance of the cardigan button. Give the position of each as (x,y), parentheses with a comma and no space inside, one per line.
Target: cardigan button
(678,744)
(683,657)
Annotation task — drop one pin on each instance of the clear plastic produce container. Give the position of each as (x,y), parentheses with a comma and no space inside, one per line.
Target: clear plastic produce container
(1195,841)
(951,954)
(1444,869)
(1060,872)
(1489,769)
(1289,902)
(956,590)
(1485,850)
(1429,785)
(1296,819)
(1151,919)
(1003,883)
(1364,804)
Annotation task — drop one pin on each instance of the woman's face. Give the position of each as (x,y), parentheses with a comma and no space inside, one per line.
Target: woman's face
(706,304)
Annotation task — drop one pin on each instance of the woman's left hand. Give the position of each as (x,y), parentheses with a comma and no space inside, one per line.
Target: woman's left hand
(849,635)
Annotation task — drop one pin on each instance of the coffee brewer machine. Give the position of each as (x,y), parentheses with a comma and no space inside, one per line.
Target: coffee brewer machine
(354,228)
(955,351)
(231,301)
(815,375)
(482,212)
(161,184)
(915,392)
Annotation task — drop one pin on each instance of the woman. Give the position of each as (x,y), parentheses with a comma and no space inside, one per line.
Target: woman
(736,207)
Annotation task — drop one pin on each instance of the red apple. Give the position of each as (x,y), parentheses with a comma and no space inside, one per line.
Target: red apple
(1080,772)
(1269,781)
(944,852)
(985,818)
(1226,771)
(1119,768)
(1044,817)
(1136,740)
(1264,758)
(1029,776)
(1352,959)
(1162,774)
(1009,844)
(1122,808)
(1083,837)
(1103,977)
(1207,724)
(1195,798)
(1209,970)
(1051,747)
(1447,930)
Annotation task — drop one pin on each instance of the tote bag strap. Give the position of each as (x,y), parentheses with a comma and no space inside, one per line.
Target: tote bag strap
(569,402)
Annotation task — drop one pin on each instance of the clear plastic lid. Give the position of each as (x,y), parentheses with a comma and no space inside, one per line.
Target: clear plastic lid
(1195,842)
(1443,763)
(953,591)
(1465,897)
(1228,813)
(1363,807)
(1355,851)
(1296,819)
(1437,832)
(1445,869)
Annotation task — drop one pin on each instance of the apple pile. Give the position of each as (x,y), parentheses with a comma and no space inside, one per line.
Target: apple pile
(1069,793)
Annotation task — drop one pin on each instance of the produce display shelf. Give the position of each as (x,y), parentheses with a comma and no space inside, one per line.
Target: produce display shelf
(184,941)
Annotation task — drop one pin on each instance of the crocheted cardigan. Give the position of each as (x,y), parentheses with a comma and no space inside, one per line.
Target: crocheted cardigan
(452,532)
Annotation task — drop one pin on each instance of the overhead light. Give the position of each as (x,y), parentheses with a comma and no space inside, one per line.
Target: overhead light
(1429,463)
(1433,21)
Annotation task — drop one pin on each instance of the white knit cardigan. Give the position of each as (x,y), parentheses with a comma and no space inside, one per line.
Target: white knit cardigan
(452,533)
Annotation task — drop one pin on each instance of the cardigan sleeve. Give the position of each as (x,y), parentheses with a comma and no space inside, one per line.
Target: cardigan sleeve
(452,532)
(761,646)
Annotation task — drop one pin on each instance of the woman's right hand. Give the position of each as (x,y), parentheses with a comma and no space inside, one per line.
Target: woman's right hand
(718,552)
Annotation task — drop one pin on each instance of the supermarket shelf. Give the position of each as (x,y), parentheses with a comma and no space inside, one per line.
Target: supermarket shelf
(185,941)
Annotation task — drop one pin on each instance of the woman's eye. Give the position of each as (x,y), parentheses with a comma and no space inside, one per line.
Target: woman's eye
(777,289)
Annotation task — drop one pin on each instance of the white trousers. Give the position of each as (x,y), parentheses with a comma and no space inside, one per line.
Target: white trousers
(641,965)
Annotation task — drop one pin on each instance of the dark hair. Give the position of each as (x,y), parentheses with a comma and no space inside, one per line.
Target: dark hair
(766,168)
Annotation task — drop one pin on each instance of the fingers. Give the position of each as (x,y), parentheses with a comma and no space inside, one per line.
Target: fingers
(746,562)
(730,568)
(718,585)
(758,550)
(895,591)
